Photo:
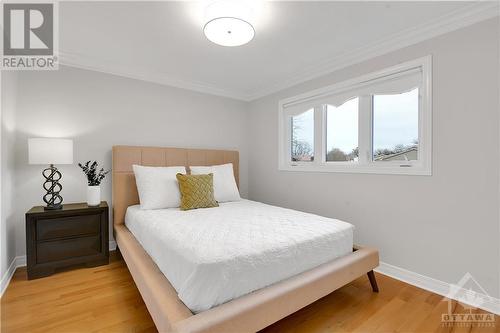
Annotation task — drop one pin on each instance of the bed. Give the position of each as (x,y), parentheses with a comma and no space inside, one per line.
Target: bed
(320,267)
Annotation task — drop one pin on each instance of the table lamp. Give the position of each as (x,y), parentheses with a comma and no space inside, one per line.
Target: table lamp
(51,151)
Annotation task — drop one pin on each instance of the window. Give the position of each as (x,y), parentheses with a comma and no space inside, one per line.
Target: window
(303,137)
(378,123)
(395,127)
(342,132)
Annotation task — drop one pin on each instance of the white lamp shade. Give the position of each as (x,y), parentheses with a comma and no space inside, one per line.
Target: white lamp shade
(50,151)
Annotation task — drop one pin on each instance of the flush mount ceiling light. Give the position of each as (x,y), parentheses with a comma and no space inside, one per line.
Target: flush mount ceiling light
(228,22)
(229,31)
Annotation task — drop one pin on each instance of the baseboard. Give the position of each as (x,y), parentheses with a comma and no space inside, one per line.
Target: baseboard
(466,296)
(20,261)
(16,262)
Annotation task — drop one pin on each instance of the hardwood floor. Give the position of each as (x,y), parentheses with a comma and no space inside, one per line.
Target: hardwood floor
(105,299)
(99,299)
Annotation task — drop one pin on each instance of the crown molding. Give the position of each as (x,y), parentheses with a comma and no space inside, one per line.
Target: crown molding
(474,13)
(85,62)
(468,15)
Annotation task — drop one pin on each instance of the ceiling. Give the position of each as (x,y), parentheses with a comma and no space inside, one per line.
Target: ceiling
(163,42)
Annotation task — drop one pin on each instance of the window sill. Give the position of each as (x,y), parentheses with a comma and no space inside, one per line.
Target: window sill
(380,170)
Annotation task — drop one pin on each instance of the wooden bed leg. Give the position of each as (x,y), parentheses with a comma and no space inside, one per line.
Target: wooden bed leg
(373,281)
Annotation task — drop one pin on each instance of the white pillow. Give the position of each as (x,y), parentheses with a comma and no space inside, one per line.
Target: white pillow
(225,188)
(157,186)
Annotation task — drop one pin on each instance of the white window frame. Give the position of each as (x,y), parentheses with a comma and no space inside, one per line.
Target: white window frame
(423,166)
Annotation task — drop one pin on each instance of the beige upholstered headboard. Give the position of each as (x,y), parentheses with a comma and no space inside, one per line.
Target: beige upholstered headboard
(124,188)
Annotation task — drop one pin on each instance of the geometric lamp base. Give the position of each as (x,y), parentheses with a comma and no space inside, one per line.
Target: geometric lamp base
(52,186)
(55,207)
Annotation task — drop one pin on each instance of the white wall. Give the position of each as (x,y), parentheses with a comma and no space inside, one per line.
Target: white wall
(100,110)
(440,226)
(7,221)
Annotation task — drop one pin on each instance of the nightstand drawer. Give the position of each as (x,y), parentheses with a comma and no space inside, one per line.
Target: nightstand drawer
(67,226)
(67,248)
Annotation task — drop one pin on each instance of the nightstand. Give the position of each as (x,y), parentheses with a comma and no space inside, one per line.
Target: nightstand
(75,234)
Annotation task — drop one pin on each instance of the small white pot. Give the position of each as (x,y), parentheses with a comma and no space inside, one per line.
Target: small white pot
(93,195)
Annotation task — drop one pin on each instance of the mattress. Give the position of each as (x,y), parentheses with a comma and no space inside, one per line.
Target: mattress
(214,255)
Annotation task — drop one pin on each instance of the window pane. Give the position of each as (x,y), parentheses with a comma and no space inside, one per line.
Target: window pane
(395,127)
(342,132)
(303,136)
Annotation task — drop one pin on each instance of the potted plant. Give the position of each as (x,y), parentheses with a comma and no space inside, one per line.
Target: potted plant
(94,178)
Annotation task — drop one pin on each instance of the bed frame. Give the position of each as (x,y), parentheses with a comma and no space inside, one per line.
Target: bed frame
(248,313)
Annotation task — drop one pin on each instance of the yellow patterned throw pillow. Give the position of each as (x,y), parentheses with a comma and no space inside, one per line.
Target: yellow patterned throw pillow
(197,191)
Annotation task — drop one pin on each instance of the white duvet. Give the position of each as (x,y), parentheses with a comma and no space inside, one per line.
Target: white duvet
(213,255)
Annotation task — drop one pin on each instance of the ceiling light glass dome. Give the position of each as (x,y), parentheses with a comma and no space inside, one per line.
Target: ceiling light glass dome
(229,31)
(230,22)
